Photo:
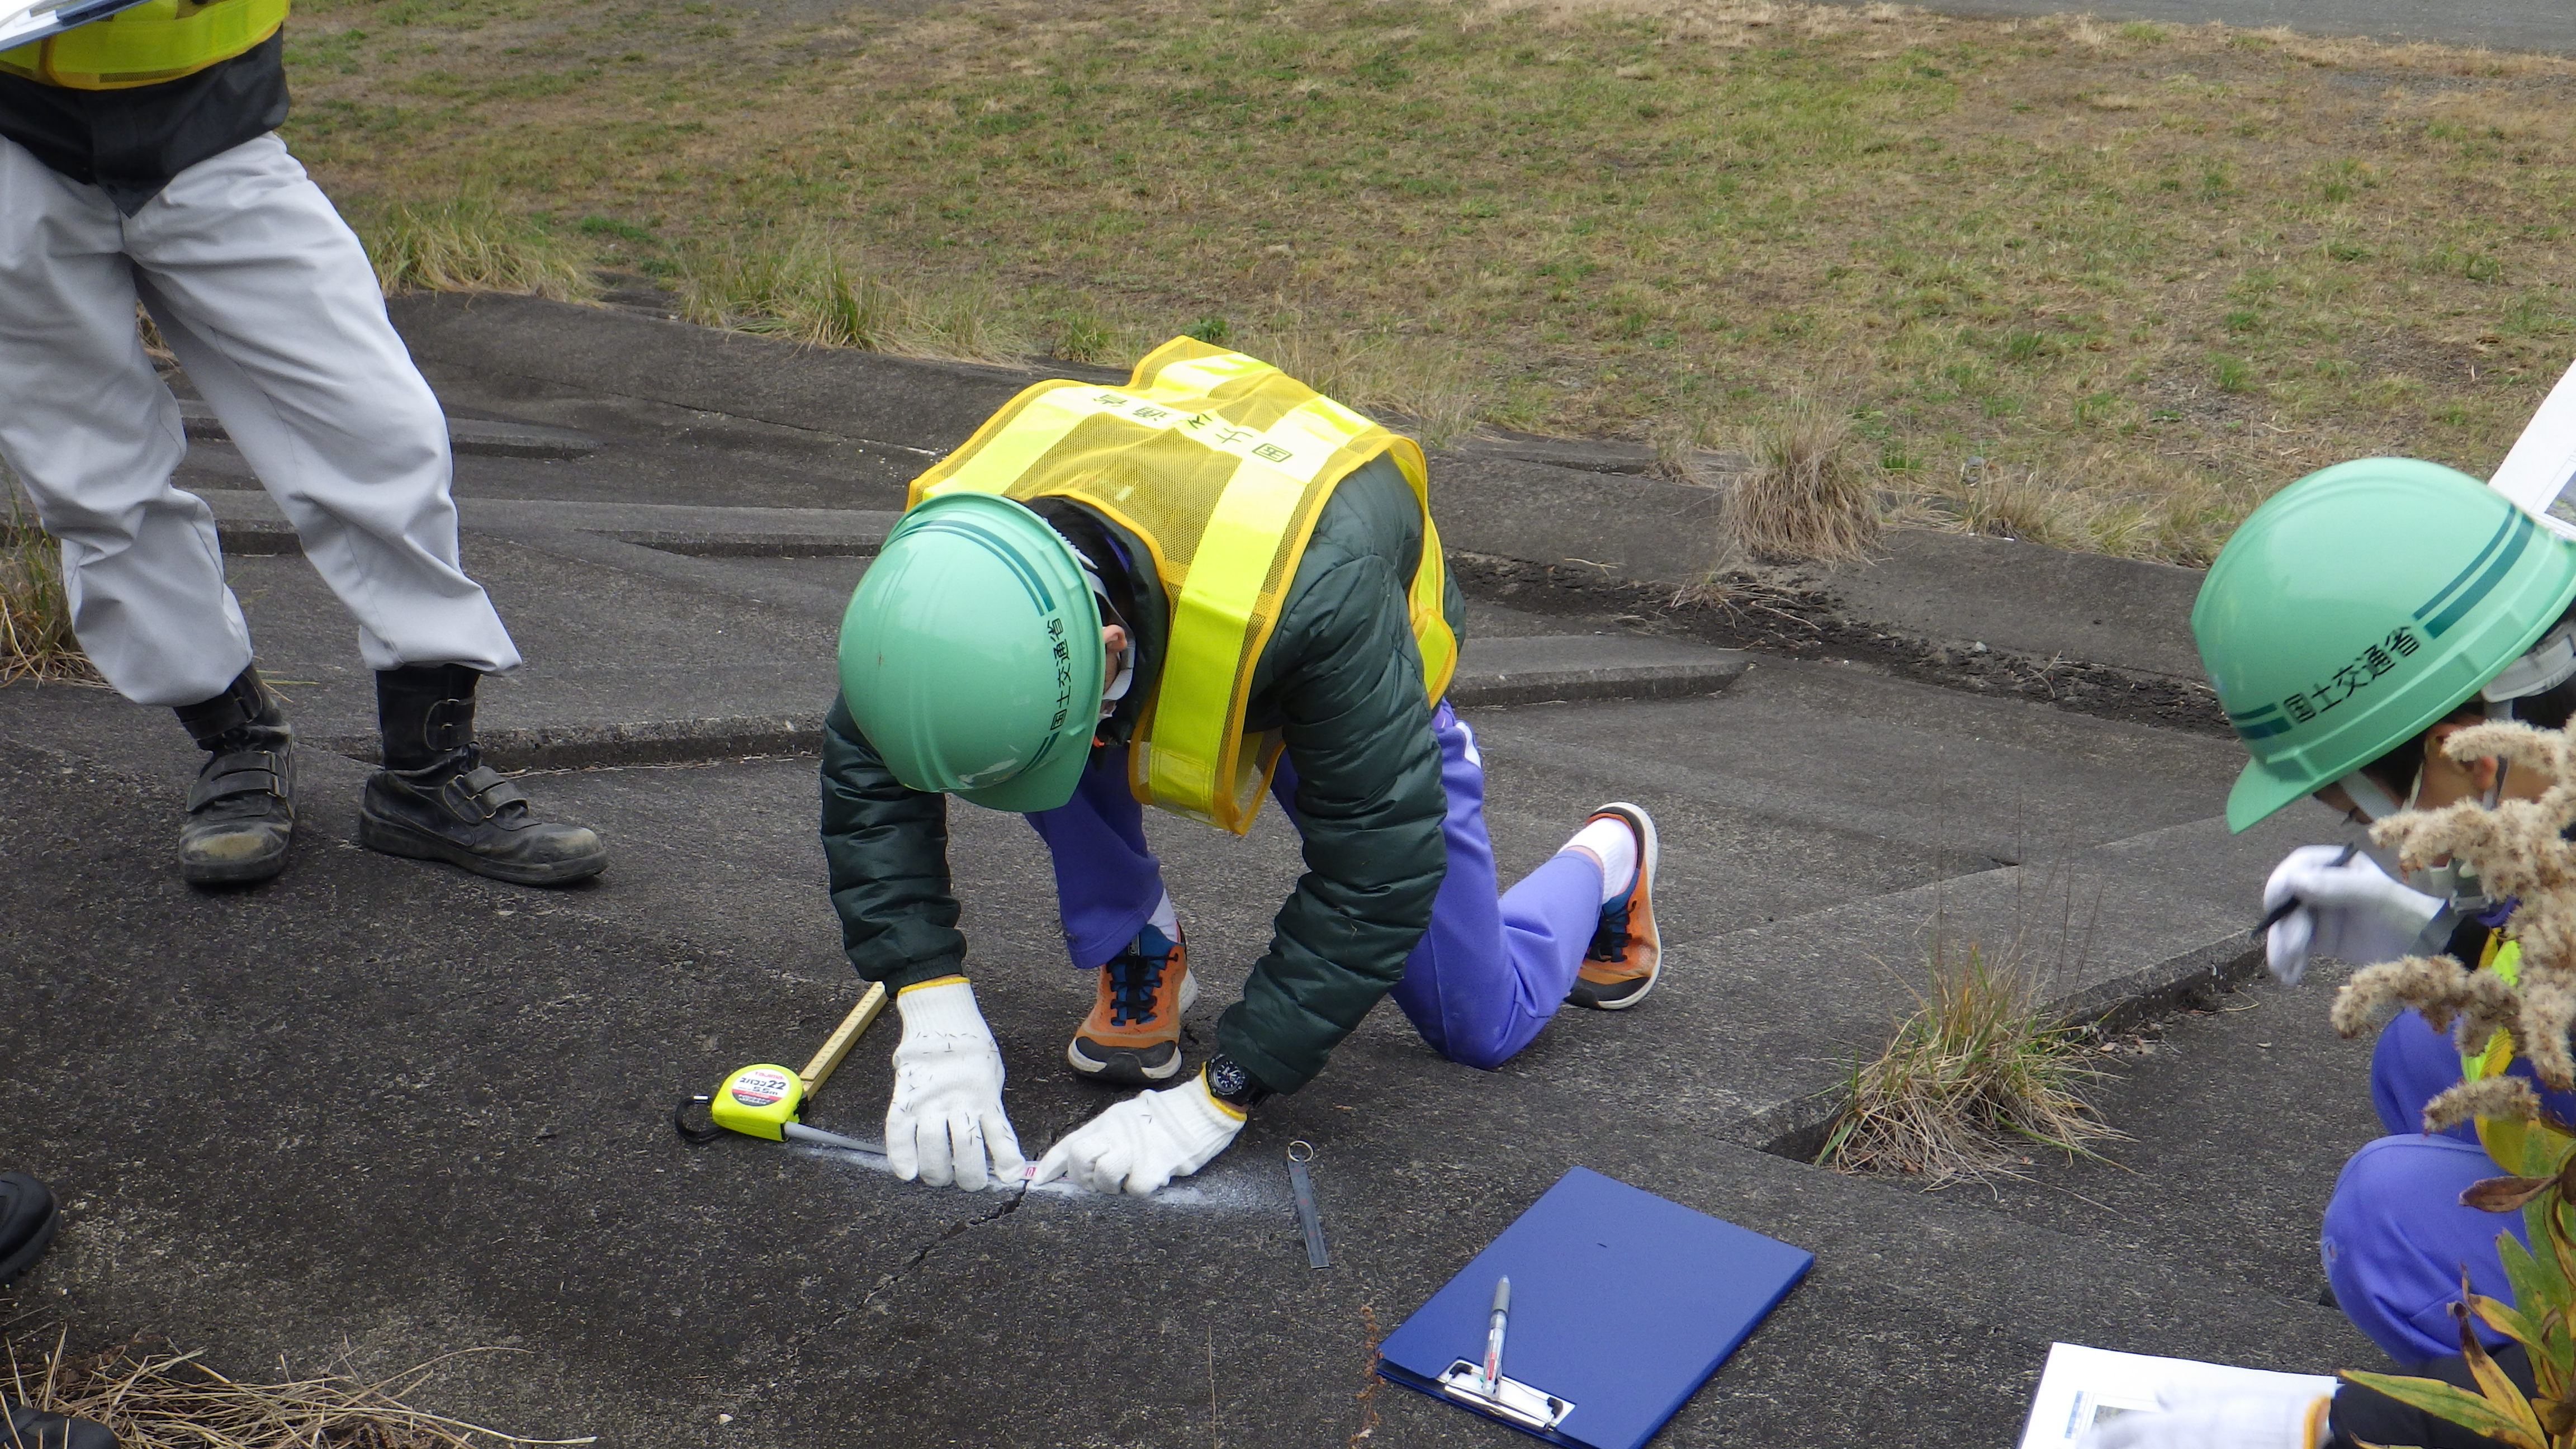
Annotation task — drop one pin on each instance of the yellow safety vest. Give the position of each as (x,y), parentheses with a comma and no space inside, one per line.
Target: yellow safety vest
(2521,1147)
(156,41)
(1221,464)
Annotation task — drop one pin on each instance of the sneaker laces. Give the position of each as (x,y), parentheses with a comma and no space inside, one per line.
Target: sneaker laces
(1136,979)
(1610,938)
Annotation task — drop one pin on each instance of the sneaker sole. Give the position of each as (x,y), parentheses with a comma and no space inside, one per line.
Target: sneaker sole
(1650,856)
(1125,1066)
(394,838)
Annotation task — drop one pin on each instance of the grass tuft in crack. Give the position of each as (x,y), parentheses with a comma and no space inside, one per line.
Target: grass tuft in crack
(468,243)
(1811,493)
(173,1401)
(810,288)
(36,639)
(1976,1075)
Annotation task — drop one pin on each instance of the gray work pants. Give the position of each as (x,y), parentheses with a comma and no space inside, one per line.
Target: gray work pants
(268,301)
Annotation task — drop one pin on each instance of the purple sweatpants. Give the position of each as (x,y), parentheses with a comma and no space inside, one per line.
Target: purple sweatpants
(2396,1236)
(1488,972)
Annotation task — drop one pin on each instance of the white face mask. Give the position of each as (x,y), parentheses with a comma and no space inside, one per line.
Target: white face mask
(2551,663)
(1122,675)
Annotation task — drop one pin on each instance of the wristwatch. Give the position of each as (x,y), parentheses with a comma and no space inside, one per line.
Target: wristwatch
(1229,1083)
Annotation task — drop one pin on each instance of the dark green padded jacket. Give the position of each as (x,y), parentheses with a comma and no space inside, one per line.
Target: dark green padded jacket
(1341,678)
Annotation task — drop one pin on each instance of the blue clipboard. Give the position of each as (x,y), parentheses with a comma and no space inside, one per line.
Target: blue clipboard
(1623,1304)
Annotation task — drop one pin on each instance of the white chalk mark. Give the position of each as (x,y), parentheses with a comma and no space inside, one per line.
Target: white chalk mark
(1228,1191)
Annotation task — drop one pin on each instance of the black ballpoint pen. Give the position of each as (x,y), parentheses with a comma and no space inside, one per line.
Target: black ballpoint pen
(2281,912)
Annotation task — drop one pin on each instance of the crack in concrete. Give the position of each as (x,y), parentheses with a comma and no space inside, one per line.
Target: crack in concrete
(922,1254)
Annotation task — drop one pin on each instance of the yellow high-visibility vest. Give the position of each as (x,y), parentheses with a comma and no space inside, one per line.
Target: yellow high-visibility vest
(2519,1147)
(156,41)
(1221,464)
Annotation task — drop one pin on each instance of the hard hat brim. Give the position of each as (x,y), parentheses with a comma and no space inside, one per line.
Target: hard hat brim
(2259,794)
(1049,785)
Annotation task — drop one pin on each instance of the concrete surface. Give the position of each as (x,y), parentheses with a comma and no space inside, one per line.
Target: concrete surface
(390,1110)
(409,1111)
(2042,602)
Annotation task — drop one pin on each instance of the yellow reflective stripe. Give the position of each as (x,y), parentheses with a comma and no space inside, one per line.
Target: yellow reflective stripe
(1004,447)
(1198,715)
(2525,1148)
(157,41)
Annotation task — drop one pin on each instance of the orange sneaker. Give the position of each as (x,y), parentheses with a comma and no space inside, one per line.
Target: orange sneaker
(1133,1035)
(1627,955)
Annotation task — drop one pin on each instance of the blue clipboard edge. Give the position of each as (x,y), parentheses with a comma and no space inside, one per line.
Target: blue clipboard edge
(1398,1374)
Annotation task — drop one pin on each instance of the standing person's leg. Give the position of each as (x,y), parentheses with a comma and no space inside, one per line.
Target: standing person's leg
(1489,972)
(1118,920)
(268,300)
(93,435)
(2397,1240)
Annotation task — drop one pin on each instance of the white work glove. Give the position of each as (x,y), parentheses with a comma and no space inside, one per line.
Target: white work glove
(946,1112)
(2352,912)
(2186,1418)
(1145,1141)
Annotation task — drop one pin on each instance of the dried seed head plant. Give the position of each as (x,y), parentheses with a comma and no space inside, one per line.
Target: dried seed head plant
(2519,849)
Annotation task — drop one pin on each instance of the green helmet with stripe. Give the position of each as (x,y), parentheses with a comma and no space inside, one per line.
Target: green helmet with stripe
(970,654)
(2360,605)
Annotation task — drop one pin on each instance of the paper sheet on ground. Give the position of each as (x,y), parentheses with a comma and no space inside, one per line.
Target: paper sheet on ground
(2082,1387)
(2543,460)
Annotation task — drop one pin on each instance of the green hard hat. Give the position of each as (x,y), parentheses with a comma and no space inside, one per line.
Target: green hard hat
(970,654)
(2360,605)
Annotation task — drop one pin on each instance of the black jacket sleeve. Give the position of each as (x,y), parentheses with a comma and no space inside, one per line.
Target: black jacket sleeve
(2367,1416)
(1369,804)
(886,848)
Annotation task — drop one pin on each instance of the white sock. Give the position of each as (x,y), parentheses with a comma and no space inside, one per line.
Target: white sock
(1610,841)
(1165,919)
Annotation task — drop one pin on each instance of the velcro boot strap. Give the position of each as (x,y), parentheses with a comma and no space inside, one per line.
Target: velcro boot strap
(242,772)
(481,793)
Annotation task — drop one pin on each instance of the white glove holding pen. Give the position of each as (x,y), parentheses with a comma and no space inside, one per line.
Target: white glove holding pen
(2351,911)
(1145,1141)
(946,1116)
(2186,1419)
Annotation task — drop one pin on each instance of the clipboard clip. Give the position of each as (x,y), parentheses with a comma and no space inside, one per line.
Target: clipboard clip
(1507,1399)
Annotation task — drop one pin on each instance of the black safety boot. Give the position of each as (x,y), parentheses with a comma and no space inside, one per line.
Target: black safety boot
(435,799)
(241,811)
(30,1428)
(27,1220)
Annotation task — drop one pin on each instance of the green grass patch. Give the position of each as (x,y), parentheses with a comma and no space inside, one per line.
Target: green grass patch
(2008,239)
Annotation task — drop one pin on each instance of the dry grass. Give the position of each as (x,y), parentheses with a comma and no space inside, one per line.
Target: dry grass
(1811,493)
(172,1401)
(2149,273)
(1431,389)
(36,639)
(469,244)
(1972,1079)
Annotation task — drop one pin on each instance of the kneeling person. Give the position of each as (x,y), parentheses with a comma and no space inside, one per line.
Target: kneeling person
(1208,585)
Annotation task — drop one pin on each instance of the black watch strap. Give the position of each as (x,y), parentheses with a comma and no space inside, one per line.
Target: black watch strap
(1231,1084)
